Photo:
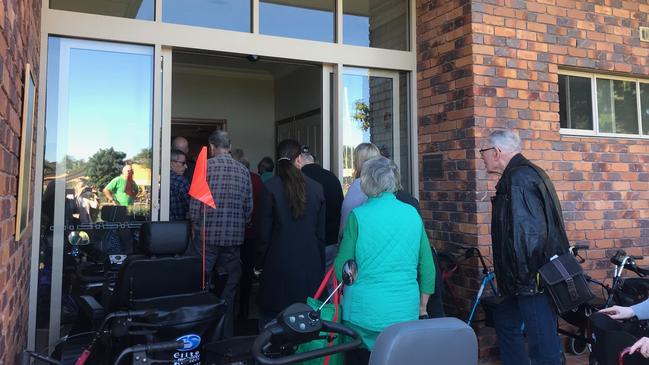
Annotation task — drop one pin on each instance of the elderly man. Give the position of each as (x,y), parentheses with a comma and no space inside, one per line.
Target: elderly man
(229,182)
(180,143)
(526,231)
(122,190)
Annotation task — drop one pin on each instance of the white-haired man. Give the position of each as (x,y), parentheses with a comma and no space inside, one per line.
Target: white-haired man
(526,231)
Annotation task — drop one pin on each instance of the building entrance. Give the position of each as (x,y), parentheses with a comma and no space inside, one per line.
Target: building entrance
(257,101)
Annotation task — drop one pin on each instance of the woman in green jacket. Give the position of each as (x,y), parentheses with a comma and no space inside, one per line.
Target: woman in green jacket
(395,266)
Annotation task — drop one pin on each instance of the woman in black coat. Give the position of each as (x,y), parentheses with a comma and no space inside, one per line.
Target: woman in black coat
(291,241)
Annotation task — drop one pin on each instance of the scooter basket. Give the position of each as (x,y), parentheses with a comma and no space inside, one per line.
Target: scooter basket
(611,338)
(196,319)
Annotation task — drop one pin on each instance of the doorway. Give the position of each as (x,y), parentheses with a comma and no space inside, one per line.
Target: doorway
(258,101)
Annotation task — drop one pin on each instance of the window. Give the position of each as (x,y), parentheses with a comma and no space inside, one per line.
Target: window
(378,24)
(312,20)
(604,105)
(142,9)
(222,14)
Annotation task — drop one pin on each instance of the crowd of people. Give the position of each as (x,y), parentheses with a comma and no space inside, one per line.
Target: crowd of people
(289,222)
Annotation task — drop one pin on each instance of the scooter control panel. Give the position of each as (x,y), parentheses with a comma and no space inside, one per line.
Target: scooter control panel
(300,318)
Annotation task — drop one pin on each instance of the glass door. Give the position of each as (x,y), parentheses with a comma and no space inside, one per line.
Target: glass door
(97,172)
(370,113)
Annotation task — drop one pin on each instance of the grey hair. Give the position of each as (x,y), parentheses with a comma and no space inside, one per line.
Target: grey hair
(175,153)
(308,157)
(220,139)
(379,174)
(505,140)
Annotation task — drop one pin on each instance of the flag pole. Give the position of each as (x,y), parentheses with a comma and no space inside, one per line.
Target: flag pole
(203,256)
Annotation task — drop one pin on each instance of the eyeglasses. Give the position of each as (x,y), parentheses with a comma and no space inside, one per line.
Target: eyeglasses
(305,149)
(486,149)
(184,163)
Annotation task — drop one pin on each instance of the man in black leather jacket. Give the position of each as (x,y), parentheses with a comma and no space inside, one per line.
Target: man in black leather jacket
(526,230)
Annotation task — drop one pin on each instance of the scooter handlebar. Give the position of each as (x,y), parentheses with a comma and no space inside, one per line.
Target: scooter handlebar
(266,335)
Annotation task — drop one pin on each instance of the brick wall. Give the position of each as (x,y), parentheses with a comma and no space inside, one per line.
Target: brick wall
(446,127)
(498,67)
(19,44)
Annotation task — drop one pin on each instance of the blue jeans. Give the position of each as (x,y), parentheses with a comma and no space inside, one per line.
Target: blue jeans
(540,318)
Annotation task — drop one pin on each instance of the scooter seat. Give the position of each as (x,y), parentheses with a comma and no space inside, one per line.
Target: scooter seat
(441,341)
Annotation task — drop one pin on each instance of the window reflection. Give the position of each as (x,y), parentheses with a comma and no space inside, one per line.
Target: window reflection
(367,117)
(312,20)
(575,102)
(139,9)
(644,107)
(221,14)
(98,125)
(376,23)
(617,109)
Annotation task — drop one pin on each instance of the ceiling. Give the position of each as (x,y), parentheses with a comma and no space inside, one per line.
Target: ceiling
(188,60)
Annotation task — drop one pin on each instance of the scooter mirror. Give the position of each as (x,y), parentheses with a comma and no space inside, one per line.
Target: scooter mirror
(78,238)
(350,271)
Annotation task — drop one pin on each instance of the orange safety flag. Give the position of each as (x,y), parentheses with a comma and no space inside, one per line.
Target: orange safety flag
(199,189)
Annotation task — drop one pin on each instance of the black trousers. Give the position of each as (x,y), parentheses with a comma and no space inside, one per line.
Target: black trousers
(227,258)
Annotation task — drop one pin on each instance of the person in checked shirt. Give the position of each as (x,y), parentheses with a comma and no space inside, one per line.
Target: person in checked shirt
(229,182)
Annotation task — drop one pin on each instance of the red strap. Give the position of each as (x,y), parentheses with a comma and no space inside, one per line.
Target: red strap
(82,359)
(620,359)
(324,282)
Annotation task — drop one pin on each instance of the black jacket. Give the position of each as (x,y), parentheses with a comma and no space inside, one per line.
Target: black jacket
(333,194)
(290,251)
(526,226)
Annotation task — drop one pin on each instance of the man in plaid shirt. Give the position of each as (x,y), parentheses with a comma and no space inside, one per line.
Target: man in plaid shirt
(229,182)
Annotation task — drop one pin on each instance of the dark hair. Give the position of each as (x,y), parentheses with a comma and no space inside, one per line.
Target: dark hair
(265,165)
(293,180)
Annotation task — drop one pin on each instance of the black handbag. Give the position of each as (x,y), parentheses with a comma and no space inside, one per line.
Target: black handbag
(564,279)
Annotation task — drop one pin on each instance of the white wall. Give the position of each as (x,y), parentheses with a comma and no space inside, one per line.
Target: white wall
(247,102)
(298,92)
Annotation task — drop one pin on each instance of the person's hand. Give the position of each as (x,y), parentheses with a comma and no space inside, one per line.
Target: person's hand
(617,312)
(642,346)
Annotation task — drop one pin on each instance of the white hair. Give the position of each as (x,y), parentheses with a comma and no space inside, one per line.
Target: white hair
(505,140)
(379,175)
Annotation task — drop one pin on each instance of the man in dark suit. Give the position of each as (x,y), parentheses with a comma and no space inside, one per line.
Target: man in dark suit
(333,193)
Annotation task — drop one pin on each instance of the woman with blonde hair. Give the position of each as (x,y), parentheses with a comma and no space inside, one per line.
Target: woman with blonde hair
(355,196)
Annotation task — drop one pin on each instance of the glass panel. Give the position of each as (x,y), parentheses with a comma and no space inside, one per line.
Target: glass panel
(644,107)
(404,131)
(138,9)
(581,103)
(563,102)
(98,127)
(367,117)
(376,23)
(221,14)
(313,19)
(617,106)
